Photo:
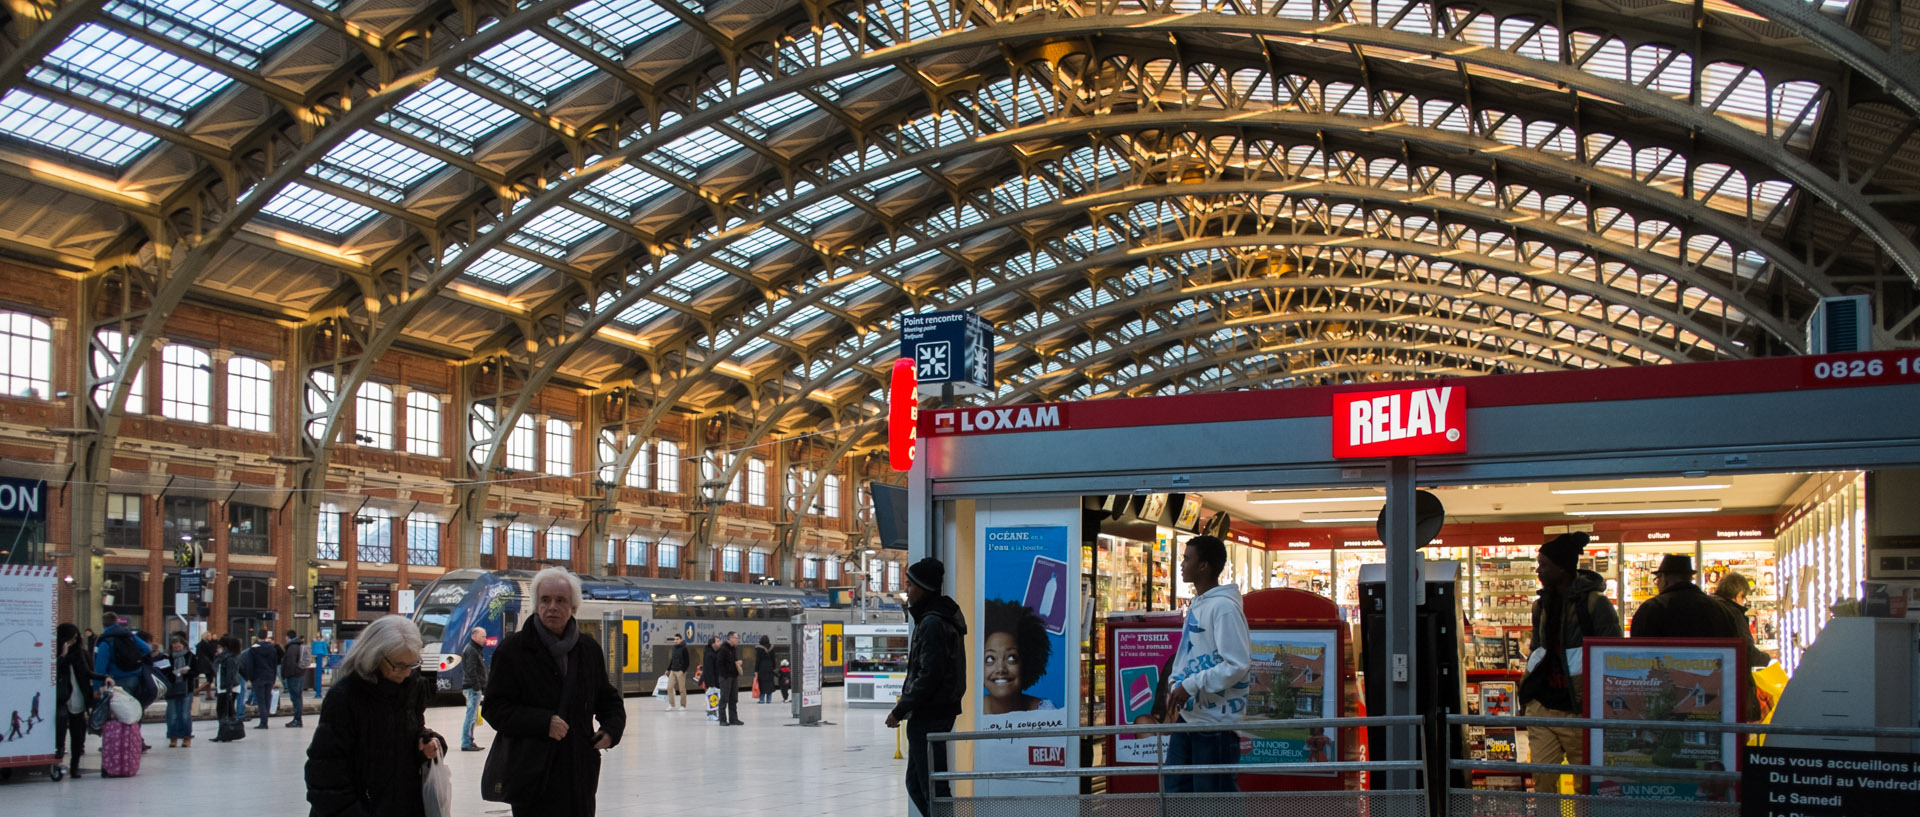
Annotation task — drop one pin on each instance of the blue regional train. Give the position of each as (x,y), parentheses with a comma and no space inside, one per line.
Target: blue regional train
(631,618)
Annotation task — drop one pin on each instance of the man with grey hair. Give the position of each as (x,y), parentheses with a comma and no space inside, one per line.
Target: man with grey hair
(547,688)
(473,680)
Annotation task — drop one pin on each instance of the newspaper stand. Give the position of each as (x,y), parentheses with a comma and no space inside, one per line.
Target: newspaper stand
(27,694)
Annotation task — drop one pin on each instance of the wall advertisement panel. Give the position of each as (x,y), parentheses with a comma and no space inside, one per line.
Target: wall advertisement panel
(811,692)
(1024,654)
(26,664)
(1663,680)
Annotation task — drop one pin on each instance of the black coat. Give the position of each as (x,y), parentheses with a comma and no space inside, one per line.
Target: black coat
(678,662)
(524,692)
(76,674)
(709,675)
(261,663)
(763,669)
(473,666)
(365,757)
(726,664)
(936,662)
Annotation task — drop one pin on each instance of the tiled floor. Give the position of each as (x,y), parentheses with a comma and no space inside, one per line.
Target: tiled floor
(668,763)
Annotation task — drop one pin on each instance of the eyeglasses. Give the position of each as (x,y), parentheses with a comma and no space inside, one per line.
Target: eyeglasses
(398,666)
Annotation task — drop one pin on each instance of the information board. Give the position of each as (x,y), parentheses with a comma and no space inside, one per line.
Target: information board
(26,664)
(1778,782)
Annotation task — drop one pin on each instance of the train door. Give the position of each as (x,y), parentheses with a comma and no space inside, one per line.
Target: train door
(831,664)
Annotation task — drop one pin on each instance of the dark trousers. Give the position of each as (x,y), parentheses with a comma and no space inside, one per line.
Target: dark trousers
(223,705)
(263,701)
(70,726)
(925,759)
(1202,749)
(730,699)
(294,686)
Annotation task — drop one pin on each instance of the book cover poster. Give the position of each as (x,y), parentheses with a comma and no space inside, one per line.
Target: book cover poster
(1289,680)
(1684,680)
(1140,659)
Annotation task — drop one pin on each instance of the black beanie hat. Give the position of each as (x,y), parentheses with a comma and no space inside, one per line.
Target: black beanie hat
(929,573)
(1565,549)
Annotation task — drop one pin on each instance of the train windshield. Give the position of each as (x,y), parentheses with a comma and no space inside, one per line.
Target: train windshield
(433,625)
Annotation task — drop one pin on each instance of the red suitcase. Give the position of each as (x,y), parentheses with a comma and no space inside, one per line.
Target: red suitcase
(120,749)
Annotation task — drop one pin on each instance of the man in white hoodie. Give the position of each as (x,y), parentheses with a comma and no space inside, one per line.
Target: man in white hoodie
(1209,679)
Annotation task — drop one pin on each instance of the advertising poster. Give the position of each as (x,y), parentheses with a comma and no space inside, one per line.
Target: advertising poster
(1140,659)
(1289,680)
(811,693)
(26,662)
(1023,653)
(1662,680)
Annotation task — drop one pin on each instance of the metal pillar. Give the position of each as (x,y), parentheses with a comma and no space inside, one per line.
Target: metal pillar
(1399,691)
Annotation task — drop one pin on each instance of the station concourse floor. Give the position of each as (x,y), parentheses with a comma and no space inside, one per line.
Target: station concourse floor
(667,763)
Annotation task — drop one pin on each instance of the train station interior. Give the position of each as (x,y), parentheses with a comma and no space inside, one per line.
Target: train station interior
(318,311)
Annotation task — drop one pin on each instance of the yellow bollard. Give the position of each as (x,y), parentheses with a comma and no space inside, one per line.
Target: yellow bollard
(896,743)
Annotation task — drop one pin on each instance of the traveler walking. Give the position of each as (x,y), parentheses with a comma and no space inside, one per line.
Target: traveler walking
(473,683)
(367,751)
(677,673)
(936,679)
(1208,683)
(727,666)
(1572,607)
(548,687)
(262,664)
(295,663)
(763,669)
(74,689)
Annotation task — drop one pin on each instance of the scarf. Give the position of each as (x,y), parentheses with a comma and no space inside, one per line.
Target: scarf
(559,645)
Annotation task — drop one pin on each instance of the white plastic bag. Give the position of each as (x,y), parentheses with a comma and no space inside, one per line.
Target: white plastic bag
(436,788)
(126,709)
(660,686)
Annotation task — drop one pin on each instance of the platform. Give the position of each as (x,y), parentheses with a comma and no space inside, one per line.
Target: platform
(668,763)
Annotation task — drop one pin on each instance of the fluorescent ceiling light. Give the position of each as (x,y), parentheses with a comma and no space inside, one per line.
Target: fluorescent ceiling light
(1307,497)
(1643,510)
(1337,516)
(1636,489)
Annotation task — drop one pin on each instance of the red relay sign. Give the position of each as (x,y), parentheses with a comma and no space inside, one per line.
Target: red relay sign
(1400,423)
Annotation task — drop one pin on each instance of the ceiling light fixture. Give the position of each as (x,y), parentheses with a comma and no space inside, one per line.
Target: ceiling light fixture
(1635,489)
(1305,498)
(1321,517)
(1638,510)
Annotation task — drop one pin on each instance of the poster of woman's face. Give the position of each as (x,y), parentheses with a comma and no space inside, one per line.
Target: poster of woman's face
(1018,655)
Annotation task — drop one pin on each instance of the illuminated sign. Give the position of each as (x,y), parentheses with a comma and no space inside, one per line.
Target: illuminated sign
(1006,418)
(903,415)
(1400,423)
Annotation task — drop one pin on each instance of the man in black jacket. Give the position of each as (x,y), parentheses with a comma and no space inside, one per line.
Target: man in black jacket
(295,663)
(1683,610)
(1572,607)
(262,665)
(726,665)
(936,678)
(677,674)
(473,680)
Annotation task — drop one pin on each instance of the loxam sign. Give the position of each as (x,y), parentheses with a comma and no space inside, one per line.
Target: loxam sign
(1400,423)
(994,420)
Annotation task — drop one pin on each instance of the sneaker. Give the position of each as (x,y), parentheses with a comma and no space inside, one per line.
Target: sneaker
(473,748)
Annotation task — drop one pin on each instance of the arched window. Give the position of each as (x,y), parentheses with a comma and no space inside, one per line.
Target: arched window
(373,415)
(249,394)
(830,496)
(757,482)
(559,447)
(186,383)
(26,355)
(666,471)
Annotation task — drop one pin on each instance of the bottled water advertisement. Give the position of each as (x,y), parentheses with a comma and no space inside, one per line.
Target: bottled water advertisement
(1021,650)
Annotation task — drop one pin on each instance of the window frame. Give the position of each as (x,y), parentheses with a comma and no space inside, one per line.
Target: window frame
(521,443)
(558,440)
(373,415)
(425,416)
(26,340)
(415,525)
(249,395)
(757,482)
(666,468)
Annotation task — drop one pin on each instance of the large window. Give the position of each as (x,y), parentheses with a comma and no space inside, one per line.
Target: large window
(123,521)
(249,394)
(26,355)
(559,447)
(730,560)
(757,482)
(830,496)
(669,555)
(810,568)
(833,569)
(423,540)
(893,577)
(520,541)
(106,360)
(327,536)
(487,532)
(636,551)
(520,444)
(423,423)
(373,415)
(374,541)
(737,492)
(559,545)
(757,563)
(247,531)
(637,470)
(186,383)
(666,472)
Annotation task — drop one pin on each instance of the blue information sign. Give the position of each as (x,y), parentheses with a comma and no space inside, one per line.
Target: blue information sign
(949,347)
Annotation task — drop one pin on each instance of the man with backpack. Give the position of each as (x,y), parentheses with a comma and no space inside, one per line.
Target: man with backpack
(122,656)
(295,662)
(1572,607)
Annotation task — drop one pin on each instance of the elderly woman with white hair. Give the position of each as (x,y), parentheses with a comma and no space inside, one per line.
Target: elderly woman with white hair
(366,755)
(547,688)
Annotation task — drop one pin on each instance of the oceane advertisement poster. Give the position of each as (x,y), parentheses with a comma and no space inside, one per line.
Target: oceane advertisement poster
(1021,651)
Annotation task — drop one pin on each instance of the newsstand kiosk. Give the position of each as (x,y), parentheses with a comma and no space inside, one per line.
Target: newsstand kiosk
(996,492)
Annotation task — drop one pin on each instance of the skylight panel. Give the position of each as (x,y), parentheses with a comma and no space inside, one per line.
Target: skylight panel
(56,126)
(559,227)
(777,111)
(640,313)
(694,280)
(376,166)
(698,148)
(447,115)
(497,267)
(528,66)
(622,23)
(820,211)
(113,69)
(239,31)
(628,186)
(325,212)
(758,241)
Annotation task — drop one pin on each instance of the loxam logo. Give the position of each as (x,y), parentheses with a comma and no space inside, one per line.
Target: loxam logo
(1010,418)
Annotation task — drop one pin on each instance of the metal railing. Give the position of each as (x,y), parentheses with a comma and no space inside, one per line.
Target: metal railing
(1377,802)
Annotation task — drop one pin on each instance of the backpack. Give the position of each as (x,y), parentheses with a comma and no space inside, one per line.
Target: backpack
(293,663)
(126,656)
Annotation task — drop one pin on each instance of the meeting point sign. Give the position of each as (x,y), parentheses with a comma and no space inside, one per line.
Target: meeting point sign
(1400,422)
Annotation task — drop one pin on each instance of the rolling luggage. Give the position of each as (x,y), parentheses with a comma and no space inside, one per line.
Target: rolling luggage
(120,749)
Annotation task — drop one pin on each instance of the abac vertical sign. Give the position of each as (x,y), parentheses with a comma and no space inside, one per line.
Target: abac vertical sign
(949,348)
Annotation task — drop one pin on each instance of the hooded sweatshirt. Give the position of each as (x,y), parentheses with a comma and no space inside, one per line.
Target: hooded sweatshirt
(936,662)
(1561,623)
(1212,661)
